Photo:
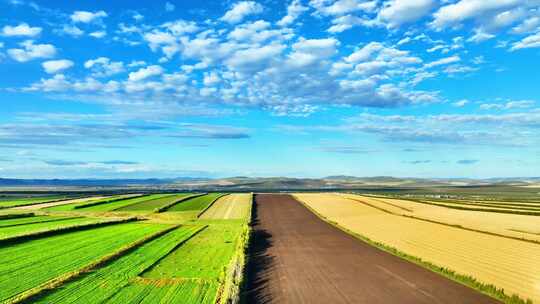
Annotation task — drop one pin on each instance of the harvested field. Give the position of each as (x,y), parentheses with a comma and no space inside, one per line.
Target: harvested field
(298,258)
(499,223)
(505,263)
(232,206)
(198,203)
(29,264)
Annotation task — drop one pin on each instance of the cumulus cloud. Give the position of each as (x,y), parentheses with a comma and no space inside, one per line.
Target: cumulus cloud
(242,9)
(397,12)
(87,17)
(22,29)
(103,67)
(443,61)
(144,73)
(30,51)
(532,41)
(294,10)
(55,66)
(98,34)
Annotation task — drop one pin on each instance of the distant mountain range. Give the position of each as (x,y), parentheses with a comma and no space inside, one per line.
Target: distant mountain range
(271,183)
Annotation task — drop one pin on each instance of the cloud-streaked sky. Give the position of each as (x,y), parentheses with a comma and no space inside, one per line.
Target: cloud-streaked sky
(310,88)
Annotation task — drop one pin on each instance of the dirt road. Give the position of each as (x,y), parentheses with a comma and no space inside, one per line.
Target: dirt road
(298,258)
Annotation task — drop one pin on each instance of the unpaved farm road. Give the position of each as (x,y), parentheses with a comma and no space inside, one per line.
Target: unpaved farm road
(298,258)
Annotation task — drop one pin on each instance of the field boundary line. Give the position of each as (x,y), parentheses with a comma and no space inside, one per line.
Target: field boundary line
(211,204)
(36,292)
(11,216)
(62,230)
(166,207)
(451,225)
(46,202)
(466,280)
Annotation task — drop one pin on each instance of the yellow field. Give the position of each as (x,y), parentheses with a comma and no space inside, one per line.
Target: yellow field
(513,225)
(506,263)
(232,206)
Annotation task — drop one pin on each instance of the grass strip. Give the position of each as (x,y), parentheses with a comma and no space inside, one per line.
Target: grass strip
(3,205)
(30,295)
(210,205)
(61,230)
(469,281)
(165,207)
(16,215)
(35,220)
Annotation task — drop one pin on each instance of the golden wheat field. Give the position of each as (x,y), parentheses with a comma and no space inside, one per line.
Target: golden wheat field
(513,225)
(232,206)
(506,263)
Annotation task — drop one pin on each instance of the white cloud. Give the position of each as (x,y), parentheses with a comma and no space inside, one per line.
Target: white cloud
(104,67)
(240,10)
(319,47)
(460,103)
(342,7)
(98,34)
(518,104)
(144,73)
(32,51)
(467,9)
(87,17)
(169,7)
(22,29)
(528,25)
(532,41)
(55,66)
(397,12)
(294,10)
(253,58)
(443,61)
(71,30)
(211,78)
(365,53)
(480,36)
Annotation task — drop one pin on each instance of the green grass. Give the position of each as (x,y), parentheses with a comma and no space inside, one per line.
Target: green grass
(26,265)
(102,284)
(156,202)
(31,228)
(31,201)
(203,257)
(115,206)
(196,203)
(29,220)
(74,206)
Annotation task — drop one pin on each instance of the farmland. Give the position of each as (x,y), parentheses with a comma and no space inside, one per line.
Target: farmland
(17,202)
(232,206)
(492,260)
(60,255)
(195,204)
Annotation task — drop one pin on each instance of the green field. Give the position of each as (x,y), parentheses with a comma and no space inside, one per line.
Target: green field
(29,264)
(12,231)
(30,220)
(195,204)
(114,206)
(9,203)
(74,206)
(101,285)
(158,201)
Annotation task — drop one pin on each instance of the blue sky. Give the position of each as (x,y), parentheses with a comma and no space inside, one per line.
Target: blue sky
(302,88)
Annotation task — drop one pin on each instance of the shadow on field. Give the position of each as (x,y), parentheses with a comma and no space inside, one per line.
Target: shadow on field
(259,264)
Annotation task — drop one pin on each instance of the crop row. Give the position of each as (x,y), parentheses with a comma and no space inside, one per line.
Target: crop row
(198,203)
(24,266)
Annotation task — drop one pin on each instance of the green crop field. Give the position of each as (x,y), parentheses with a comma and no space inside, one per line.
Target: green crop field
(196,203)
(114,206)
(60,256)
(156,202)
(104,283)
(75,205)
(30,201)
(11,231)
(27,265)
(30,220)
